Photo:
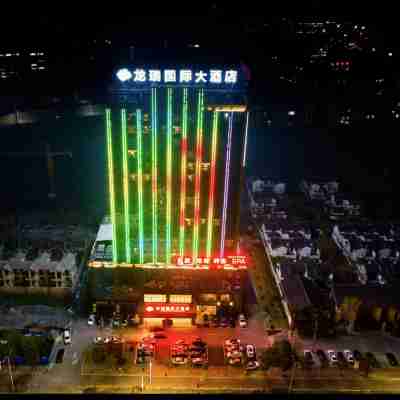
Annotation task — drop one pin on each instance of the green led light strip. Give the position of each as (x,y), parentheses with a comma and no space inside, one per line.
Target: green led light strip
(169,178)
(183,173)
(154,171)
(197,184)
(111,183)
(126,187)
(212,184)
(140,184)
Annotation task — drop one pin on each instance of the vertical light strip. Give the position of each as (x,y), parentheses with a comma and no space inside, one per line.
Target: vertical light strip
(154,172)
(226,185)
(245,140)
(140,184)
(212,184)
(197,182)
(183,173)
(169,178)
(128,253)
(111,183)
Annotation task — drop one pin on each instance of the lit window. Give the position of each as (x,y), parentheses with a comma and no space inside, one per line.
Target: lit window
(180,298)
(155,298)
(225,297)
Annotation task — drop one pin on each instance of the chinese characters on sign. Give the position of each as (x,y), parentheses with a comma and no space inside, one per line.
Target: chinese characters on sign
(236,260)
(167,308)
(213,76)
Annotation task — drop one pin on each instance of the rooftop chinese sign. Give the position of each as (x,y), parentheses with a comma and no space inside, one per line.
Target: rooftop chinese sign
(178,76)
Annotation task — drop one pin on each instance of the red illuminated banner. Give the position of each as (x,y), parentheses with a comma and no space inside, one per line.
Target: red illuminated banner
(167,309)
(212,261)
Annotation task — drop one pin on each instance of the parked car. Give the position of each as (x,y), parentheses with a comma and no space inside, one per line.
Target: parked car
(322,356)
(235,361)
(179,359)
(67,336)
(91,320)
(242,321)
(98,340)
(116,322)
(392,359)
(199,361)
(250,351)
(214,322)
(223,323)
(252,365)
(349,356)
(235,353)
(332,357)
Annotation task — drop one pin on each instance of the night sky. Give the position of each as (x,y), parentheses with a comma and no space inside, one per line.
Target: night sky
(281,153)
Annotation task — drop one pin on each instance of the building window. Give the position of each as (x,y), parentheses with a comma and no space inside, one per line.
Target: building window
(180,298)
(58,275)
(225,297)
(155,298)
(208,297)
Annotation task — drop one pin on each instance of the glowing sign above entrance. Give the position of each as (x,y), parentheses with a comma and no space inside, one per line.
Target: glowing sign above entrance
(165,310)
(212,76)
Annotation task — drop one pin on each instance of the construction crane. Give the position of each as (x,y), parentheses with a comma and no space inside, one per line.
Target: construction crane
(50,163)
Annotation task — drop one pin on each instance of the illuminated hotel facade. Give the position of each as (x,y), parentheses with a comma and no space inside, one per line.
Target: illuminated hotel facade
(175,158)
(176,151)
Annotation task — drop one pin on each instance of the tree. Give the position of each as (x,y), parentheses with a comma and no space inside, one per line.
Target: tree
(279,355)
(31,349)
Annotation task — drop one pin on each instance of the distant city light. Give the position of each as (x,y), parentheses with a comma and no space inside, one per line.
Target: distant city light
(390,54)
(124,75)
(292,112)
(196,45)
